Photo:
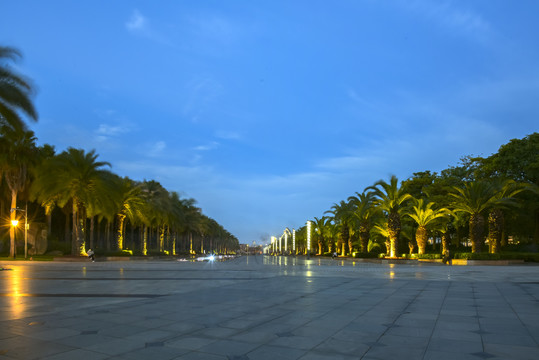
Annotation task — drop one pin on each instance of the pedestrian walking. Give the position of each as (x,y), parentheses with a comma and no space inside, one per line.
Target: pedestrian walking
(91,255)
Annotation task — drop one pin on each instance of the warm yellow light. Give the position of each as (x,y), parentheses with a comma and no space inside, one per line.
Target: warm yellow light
(308,235)
(14,222)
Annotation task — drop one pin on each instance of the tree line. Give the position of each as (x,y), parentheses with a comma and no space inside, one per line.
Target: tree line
(81,201)
(488,203)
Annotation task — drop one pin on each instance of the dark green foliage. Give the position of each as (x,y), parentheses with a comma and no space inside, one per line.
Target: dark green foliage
(370,255)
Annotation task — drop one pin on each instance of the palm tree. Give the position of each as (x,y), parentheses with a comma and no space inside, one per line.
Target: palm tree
(363,213)
(75,177)
(390,198)
(129,203)
(156,201)
(474,198)
(380,230)
(343,214)
(18,152)
(505,197)
(320,229)
(424,215)
(15,93)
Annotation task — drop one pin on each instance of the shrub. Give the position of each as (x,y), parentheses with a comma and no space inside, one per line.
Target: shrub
(125,253)
(370,255)
(429,256)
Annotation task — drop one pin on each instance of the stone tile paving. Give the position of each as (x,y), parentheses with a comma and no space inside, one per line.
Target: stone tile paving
(267,308)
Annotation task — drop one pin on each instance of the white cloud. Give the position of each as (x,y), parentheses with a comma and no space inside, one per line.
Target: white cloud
(448,15)
(210,146)
(137,22)
(156,149)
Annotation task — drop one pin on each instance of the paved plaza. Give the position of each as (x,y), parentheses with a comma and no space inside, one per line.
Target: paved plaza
(264,307)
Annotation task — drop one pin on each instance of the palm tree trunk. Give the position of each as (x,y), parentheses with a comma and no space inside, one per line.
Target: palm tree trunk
(92,232)
(394,228)
(495,230)
(120,232)
(363,238)
(74,231)
(421,238)
(477,223)
(445,242)
(145,241)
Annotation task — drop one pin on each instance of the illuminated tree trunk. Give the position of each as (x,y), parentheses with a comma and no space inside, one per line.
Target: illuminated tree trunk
(162,239)
(145,240)
(495,230)
(394,228)
(120,232)
(477,224)
(445,242)
(421,237)
(363,238)
(344,238)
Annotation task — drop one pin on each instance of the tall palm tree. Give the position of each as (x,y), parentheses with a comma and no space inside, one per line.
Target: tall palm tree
(320,229)
(343,213)
(129,205)
(18,152)
(363,213)
(474,199)
(425,216)
(156,201)
(505,197)
(75,177)
(15,92)
(390,198)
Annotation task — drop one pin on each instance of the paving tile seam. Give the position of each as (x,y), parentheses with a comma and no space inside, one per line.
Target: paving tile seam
(437,319)
(375,343)
(516,313)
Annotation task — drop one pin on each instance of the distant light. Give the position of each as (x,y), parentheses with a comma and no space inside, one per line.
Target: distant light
(14,222)
(211,258)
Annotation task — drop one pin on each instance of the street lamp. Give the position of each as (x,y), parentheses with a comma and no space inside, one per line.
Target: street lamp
(308,239)
(15,222)
(294,240)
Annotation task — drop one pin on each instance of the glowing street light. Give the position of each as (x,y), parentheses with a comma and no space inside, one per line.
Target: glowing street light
(308,238)
(15,222)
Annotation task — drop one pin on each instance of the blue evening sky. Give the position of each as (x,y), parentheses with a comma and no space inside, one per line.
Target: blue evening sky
(268,112)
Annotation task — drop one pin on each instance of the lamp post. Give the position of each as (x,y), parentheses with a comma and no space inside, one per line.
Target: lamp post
(16,222)
(308,239)
(294,240)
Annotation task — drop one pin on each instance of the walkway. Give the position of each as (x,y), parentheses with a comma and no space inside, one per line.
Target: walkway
(262,307)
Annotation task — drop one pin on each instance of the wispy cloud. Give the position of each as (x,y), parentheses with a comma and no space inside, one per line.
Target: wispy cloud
(460,20)
(137,22)
(215,29)
(156,149)
(210,146)
(201,92)
(139,25)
